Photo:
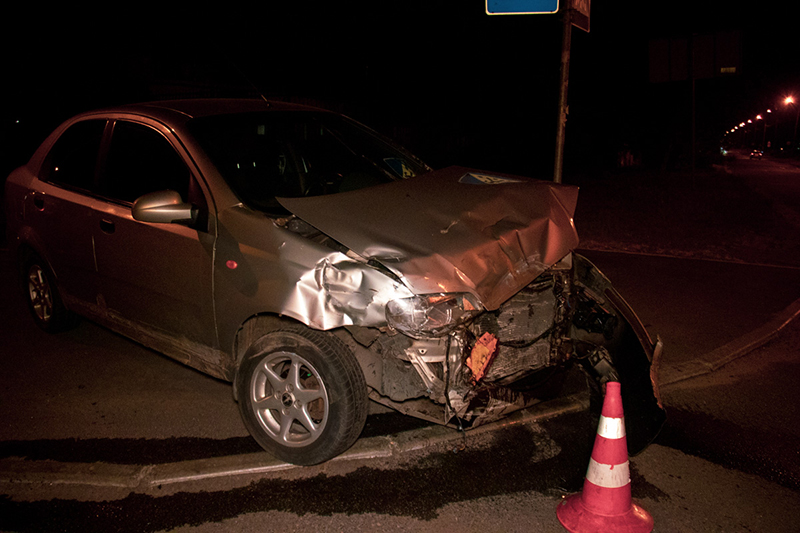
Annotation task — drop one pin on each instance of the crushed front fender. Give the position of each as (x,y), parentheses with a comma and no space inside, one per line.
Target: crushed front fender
(634,356)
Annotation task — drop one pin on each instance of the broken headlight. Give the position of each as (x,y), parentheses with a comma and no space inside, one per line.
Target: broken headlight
(432,315)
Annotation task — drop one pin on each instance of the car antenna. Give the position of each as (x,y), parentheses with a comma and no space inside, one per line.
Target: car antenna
(247,79)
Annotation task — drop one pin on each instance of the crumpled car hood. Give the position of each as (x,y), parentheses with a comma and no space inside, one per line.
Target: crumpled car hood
(453,230)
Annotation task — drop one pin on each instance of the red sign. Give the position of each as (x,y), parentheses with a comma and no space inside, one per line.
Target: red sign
(580,15)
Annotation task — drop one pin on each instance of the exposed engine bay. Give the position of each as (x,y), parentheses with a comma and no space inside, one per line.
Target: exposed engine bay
(497,363)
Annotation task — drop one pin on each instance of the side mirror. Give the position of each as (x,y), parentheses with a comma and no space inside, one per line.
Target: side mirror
(163,207)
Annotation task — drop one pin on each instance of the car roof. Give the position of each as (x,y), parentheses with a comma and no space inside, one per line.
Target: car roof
(182,110)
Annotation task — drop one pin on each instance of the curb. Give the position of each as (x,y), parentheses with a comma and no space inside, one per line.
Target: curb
(20,474)
(731,351)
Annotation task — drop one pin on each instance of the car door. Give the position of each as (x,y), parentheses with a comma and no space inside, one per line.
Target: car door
(155,279)
(59,210)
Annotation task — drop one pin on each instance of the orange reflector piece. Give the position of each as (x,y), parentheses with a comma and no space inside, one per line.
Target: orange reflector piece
(482,355)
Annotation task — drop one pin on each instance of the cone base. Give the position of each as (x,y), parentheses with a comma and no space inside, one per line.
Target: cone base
(576,518)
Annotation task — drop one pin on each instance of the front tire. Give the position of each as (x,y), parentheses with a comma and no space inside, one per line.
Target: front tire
(302,395)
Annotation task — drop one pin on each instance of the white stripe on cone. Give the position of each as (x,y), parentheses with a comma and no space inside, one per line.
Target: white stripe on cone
(608,476)
(611,428)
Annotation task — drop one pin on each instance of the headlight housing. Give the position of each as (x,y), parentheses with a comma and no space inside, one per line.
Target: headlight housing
(432,315)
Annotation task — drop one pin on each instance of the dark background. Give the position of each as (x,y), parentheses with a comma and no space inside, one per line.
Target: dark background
(449,82)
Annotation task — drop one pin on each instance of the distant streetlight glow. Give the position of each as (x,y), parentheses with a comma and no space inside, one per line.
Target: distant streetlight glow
(790,101)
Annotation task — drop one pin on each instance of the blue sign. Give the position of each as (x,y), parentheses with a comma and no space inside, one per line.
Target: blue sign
(520,7)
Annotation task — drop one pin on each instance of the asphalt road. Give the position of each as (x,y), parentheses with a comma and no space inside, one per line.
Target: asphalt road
(726,462)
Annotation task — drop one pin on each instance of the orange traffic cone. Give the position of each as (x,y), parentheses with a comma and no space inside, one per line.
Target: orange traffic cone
(605,504)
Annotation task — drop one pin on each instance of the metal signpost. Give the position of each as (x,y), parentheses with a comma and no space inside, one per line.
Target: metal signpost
(581,19)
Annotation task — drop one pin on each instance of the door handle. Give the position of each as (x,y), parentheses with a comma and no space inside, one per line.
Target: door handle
(106,226)
(38,202)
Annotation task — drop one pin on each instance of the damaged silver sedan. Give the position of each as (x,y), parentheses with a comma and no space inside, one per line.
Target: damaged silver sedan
(318,266)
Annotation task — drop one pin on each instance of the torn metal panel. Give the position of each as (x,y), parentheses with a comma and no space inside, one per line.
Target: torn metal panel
(264,267)
(342,292)
(442,232)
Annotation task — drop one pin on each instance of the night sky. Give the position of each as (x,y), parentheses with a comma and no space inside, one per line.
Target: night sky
(451,83)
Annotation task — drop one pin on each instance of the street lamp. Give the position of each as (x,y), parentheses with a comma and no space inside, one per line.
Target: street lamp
(789,100)
(769,112)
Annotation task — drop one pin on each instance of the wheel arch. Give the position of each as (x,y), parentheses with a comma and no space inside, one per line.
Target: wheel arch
(26,246)
(252,329)
(25,250)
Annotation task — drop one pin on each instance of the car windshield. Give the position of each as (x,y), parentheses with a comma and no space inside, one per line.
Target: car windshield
(291,154)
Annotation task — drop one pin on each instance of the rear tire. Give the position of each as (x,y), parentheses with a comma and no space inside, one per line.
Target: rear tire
(302,395)
(44,300)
